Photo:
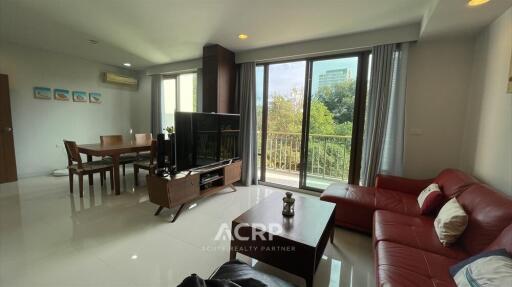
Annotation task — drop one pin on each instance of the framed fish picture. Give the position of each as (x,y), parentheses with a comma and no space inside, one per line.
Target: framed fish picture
(61,94)
(79,96)
(42,93)
(95,98)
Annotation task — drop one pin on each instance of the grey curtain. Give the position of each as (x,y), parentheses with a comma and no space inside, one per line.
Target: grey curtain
(392,156)
(383,136)
(246,93)
(156,104)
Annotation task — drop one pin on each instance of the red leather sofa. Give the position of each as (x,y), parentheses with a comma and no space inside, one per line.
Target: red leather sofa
(406,248)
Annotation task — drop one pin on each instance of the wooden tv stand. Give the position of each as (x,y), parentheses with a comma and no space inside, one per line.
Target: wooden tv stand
(184,187)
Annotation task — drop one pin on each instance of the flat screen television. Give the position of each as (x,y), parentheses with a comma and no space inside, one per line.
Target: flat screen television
(205,138)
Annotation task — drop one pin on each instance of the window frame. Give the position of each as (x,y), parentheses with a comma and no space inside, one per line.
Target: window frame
(176,78)
(358,116)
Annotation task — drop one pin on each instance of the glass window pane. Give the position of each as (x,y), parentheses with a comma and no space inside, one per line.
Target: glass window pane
(284,123)
(330,121)
(168,102)
(187,85)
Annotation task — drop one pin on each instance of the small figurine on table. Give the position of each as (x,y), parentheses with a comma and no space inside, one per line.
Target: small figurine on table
(288,204)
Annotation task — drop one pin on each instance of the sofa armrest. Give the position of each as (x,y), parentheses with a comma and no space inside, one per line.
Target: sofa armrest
(402,184)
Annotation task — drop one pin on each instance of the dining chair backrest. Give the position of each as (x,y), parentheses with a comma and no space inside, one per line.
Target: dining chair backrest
(111,139)
(143,138)
(73,153)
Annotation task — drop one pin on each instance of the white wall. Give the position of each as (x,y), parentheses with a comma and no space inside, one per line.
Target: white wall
(141,106)
(41,125)
(436,97)
(487,144)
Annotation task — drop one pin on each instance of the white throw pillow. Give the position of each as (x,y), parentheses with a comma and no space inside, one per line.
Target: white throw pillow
(490,268)
(450,222)
(428,190)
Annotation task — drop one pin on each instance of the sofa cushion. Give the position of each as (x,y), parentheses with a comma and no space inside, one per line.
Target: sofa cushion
(396,201)
(489,213)
(401,265)
(504,240)
(402,184)
(354,205)
(451,222)
(452,182)
(430,199)
(490,268)
(416,232)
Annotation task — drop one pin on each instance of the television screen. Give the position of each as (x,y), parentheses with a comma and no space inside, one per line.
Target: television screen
(205,138)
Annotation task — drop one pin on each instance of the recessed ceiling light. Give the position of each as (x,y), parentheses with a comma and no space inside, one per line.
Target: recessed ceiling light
(93,42)
(242,36)
(127,64)
(474,3)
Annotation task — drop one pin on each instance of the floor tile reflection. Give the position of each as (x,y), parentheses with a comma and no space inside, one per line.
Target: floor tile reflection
(49,237)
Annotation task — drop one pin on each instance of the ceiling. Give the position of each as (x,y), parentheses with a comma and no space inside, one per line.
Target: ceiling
(454,17)
(152,32)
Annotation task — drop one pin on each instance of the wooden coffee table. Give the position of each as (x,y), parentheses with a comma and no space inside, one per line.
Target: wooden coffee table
(294,244)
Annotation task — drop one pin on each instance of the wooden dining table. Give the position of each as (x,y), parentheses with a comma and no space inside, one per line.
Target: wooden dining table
(114,151)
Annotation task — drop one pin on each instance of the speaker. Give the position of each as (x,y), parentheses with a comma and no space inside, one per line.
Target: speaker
(171,151)
(160,154)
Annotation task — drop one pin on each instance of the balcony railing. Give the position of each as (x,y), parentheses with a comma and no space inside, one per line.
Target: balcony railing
(328,155)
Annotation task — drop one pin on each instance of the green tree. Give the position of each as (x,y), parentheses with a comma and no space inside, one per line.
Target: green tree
(284,115)
(339,99)
(321,120)
(344,129)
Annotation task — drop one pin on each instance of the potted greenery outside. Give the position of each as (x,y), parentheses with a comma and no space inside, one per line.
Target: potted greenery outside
(170,133)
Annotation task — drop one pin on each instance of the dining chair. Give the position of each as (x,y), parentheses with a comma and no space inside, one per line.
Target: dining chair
(146,164)
(124,158)
(142,139)
(76,166)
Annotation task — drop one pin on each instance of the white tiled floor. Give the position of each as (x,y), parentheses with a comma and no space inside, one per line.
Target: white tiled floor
(49,237)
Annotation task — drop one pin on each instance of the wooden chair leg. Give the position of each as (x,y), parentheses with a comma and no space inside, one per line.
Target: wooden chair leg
(81,184)
(70,182)
(136,175)
(124,169)
(102,180)
(112,178)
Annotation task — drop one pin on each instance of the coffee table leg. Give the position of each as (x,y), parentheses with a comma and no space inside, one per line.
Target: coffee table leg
(309,281)
(332,236)
(89,159)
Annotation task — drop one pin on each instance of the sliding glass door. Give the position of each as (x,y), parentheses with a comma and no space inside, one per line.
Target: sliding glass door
(309,119)
(330,121)
(282,116)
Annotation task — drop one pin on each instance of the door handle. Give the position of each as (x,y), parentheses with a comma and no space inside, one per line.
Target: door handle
(8,129)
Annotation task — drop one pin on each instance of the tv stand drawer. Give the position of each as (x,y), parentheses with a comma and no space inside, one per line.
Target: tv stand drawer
(184,189)
(233,172)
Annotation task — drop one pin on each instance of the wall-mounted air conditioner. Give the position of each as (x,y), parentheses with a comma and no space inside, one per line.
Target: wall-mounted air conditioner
(120,79)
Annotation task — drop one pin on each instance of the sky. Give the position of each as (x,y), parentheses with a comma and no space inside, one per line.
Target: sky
(283,77)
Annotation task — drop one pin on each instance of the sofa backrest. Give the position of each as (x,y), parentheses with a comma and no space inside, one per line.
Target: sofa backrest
(489,212)
(452,182)
(504,240)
